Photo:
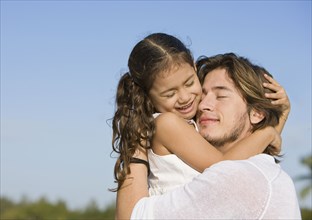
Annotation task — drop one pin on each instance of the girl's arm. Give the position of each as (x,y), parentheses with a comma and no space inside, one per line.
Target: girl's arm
(175,134)
(134,188)
(279,97)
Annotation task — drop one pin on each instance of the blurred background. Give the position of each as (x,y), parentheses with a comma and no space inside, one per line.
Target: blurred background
(60,64)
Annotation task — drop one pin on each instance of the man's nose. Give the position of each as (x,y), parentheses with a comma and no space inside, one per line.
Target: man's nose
(206,103)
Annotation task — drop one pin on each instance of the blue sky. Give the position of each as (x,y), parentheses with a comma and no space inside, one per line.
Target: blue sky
(61,61)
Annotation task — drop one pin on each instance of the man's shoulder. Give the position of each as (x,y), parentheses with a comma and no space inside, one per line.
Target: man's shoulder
(262,160)
(241,183)
(259,166)
(259,159)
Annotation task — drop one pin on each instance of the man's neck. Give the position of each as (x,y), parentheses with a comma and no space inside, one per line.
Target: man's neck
(228,146)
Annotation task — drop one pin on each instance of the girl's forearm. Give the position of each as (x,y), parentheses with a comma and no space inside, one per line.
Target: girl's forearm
(254,144)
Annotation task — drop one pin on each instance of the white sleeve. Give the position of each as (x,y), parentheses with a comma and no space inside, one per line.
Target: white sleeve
(221,191)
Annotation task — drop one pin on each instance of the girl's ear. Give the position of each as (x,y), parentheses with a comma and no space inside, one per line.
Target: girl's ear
(256,116)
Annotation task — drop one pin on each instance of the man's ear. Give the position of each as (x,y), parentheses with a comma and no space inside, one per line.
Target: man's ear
(256,116)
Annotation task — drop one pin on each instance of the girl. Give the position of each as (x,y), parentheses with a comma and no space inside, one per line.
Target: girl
(162,79)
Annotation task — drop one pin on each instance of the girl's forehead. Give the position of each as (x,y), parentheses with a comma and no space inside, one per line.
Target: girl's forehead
(174,78)
(173,69)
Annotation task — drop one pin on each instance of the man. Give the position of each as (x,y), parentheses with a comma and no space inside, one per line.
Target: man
(232,107)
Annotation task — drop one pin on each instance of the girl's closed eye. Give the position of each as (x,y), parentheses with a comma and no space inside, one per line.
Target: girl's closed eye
(190,83)
(169,95)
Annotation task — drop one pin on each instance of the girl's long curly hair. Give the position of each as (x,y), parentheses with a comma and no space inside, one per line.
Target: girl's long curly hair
(133,122)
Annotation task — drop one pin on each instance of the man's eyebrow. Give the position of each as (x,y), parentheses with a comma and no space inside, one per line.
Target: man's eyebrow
(218,88)
(222,88)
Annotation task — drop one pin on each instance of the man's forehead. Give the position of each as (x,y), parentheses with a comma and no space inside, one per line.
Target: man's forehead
(217,78)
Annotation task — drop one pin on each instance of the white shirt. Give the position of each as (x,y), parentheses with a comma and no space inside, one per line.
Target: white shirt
(256,188)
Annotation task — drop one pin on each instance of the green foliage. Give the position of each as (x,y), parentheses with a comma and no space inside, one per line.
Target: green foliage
(306,214)
(306,161)
(42,209)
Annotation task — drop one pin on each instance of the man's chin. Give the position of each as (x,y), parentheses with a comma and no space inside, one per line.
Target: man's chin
(216,142)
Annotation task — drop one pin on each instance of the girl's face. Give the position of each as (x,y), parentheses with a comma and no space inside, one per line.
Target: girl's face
(177,91)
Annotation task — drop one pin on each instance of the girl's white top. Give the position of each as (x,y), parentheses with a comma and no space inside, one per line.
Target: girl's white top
(169,171)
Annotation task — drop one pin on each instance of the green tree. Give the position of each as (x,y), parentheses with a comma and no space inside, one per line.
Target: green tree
(109,212)
(38,210)
(42,209)
(306,161)
(306,213)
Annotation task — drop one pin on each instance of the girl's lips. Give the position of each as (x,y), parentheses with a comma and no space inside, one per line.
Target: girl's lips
(187,108)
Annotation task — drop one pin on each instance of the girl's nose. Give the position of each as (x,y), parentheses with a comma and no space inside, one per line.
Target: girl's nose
(184,96)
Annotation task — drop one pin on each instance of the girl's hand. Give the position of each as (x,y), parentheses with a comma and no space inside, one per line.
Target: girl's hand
(279,96)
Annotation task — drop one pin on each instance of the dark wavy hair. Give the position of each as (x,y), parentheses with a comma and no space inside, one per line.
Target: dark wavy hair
(248,80)
(133,122)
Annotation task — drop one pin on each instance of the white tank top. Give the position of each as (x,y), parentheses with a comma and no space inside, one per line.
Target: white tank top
(168,171)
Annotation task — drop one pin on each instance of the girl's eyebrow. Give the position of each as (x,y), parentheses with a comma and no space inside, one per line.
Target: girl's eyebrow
(171,89)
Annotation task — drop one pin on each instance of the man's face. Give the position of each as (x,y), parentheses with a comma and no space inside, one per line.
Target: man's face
(222,116)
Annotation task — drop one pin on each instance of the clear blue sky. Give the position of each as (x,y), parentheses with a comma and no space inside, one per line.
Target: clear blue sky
(61,60)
